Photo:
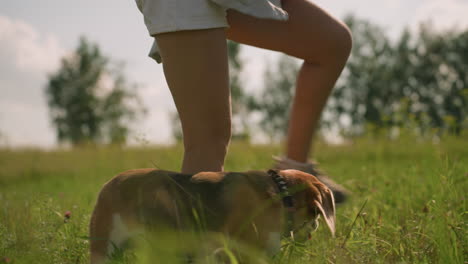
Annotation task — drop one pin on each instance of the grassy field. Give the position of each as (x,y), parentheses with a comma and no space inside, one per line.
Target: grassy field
(408,203)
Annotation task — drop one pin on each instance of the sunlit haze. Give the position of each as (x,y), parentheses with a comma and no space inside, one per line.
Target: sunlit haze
(34,35)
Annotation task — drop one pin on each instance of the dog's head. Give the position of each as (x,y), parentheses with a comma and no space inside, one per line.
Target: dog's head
(311,199)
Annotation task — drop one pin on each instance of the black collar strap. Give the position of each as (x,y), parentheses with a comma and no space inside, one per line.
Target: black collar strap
(287,198)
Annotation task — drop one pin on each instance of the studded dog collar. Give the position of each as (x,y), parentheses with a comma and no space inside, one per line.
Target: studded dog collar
(287,199)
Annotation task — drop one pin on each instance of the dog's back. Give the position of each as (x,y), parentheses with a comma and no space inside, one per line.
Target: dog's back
(161,200)
(245,206)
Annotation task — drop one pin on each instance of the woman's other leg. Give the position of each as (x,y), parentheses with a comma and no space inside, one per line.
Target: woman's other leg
(196,68)
(310,34)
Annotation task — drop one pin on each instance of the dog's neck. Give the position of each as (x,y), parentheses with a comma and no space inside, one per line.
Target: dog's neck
(287,198)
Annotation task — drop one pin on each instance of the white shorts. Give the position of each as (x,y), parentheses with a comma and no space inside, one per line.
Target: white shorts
(163,16)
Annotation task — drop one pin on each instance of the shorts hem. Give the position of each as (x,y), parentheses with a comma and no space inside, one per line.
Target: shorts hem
(192,26)
(154,52)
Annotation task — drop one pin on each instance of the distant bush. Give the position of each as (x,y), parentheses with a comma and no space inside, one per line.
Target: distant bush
(417,82)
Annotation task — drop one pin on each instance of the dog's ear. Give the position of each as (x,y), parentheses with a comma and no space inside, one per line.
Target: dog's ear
(318,195)
(327,208)
(324,201)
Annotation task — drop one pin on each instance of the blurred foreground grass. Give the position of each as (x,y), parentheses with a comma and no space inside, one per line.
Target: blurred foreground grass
(411,192)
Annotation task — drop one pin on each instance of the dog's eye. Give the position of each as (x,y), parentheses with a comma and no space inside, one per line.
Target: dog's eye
(314,212)
(313,225)
(310,226)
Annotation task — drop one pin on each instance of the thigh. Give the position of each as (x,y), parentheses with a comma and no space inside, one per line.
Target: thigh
(310,33)
(196,70)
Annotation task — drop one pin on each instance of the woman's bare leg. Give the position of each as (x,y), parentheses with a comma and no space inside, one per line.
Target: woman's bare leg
(196,68)
(310,34)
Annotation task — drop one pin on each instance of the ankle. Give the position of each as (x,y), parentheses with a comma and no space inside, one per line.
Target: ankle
(206,158)
(284,162)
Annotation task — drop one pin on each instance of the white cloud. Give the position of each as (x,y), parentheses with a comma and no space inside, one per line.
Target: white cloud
(391,5)
(28,49)
(444,14)
(27,56)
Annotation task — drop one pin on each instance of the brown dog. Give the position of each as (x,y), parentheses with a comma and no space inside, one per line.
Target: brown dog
(253,207)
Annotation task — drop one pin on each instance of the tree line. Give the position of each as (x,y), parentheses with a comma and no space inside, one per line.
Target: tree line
(417,81)
(90,99)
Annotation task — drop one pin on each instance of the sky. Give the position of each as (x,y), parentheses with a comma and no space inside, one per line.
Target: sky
(35,35)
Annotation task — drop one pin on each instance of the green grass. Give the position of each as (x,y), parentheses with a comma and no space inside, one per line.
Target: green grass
(408,203)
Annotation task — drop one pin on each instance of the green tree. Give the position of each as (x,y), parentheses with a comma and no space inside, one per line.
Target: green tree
(240,111)
(90,100)
(417,81)
(440,94)
(363,95)
(274,102)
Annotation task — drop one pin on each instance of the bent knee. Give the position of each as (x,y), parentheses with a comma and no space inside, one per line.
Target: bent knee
(334,49)
(344,42)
